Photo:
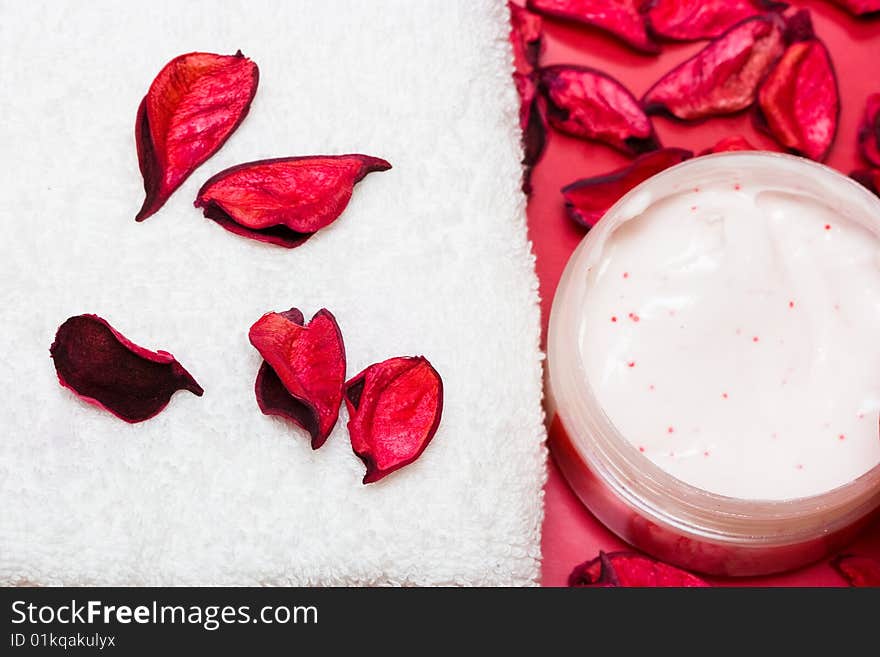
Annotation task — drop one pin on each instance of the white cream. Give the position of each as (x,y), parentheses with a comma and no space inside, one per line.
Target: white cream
(731,332)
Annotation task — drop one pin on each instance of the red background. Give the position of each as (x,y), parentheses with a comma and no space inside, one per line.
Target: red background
(571,534)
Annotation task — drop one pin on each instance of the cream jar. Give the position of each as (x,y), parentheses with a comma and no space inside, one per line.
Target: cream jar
(714,364)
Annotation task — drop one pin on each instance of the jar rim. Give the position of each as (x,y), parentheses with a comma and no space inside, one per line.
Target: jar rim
(637,480)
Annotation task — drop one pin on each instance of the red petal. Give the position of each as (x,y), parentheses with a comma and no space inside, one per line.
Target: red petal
(106,369)
(589,573)
(859,7)
(525,36)
(869,131)
(723,77)
(532,120)
(736,143)
(193,106)
(587,103)
(588,199)
(286,200)
(858,571)
(691,20)
(308,360)
(394,409)
(870,178)
(629,569)
(621,18)
(799,102)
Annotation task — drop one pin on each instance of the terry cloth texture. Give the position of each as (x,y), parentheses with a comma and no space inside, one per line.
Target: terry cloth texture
(430,258)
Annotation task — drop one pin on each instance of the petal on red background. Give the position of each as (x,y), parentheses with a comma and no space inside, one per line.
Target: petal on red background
(631,569)
(799,102)
(622,18)
(590,104)
(692,20)
(191,109)
(588,199)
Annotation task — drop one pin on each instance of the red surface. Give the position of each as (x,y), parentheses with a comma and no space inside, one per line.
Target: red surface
(571,534)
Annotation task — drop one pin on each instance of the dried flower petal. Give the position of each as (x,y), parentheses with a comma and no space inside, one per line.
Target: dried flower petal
(394,409)
(587,103)
(859,7)
(106,369)
(858,571)
(870,178)
(532,121)
(305,361)
(286,200)
(621,18)
(193,106)
(869,131)
(588,199)
(525,35)
(799,103)
(691,20)
(632,570)
(736,143)
(723,77)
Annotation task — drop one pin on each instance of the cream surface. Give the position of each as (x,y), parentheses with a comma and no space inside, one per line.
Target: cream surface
(731,332)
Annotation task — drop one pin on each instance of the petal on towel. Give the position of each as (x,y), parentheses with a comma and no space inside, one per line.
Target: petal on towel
(284,201)
(104,368)
(526,37)
(621,18)
(304,369)
(799,103)
(588,199)
(869,131)
(735,143)
(587,103)
(691,20)
(631,570)
(193,106)
(858,571)
(723,77)
(394,410)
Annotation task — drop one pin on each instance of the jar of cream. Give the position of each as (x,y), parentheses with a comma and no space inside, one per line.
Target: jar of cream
(714,364)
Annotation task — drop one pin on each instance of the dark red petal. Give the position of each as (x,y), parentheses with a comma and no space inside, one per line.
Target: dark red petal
(193,106)
(798,103)
(273,399)
(870,178)
(629,569)
(106,369)
(691,20)
(587,103)
(723,77)
(859,7)
(305,361)
(525,36)
(589,573)
(858,571)
(621,18)
(588,199)
(286,200)
(799,27)
(394,410)
(869,131)
(532,120)
(736,143)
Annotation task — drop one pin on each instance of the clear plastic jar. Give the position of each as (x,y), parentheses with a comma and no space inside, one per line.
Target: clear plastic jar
(639,501)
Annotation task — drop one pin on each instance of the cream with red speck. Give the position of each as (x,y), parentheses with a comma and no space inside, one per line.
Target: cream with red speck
(755,317)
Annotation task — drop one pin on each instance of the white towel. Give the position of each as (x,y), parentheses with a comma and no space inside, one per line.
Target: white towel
(429,258)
